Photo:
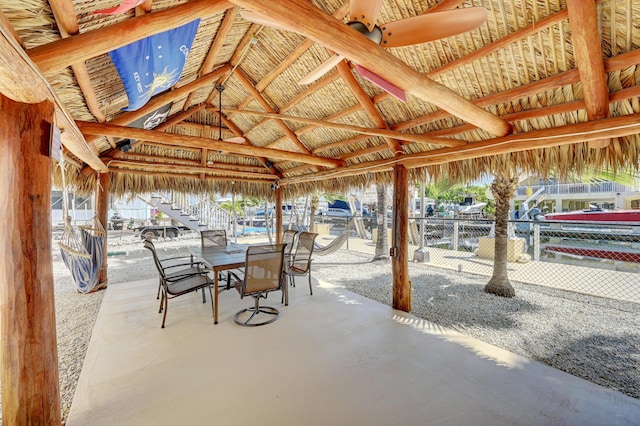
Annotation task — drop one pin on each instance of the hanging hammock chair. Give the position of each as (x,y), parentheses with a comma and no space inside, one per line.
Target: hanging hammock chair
(82,253)
(81,249)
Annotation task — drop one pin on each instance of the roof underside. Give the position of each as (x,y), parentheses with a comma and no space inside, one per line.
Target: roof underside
(552,94)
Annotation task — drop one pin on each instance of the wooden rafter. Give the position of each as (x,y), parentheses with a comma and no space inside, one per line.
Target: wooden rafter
(585,34)
(346,41)
(368,105)
(196,142)
(367,131)
(81,47)
(264,104)
(564,135)
(64,13)
(182,168)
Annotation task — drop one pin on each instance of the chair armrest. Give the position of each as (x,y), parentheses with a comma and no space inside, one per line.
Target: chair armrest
(190,257)
(187,274)
(237,274)
(198,265)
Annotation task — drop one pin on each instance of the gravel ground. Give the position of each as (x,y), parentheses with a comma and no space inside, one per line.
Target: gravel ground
(594,338)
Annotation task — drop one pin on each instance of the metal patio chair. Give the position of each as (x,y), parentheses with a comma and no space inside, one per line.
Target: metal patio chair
(301,261)
(170,266)
(174,285)
(263,273)
(213,238)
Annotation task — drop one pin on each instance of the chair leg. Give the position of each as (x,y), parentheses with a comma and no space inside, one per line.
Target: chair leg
(204,299)
(161,303)
(159,286)
(310,289)
(213,309)
(166,307)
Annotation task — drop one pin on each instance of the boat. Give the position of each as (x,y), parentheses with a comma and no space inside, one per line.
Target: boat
(596,234)
(596,215)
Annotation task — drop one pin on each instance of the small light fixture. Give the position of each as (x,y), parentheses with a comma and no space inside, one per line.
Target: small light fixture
(126,146)
(275,185)
(268,163)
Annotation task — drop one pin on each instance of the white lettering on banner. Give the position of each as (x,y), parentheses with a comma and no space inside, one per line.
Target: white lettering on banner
(136,77)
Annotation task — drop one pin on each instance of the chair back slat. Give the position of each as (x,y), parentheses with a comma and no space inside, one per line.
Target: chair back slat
(213,238)
(152,248)
(263,268)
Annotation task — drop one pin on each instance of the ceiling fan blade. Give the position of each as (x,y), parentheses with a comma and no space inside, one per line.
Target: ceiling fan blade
(388,87)
(365,11)
(432,26)
(258,18)
(236,139)
(322,69)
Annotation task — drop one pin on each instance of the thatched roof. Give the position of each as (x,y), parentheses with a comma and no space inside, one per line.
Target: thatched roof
(536,87)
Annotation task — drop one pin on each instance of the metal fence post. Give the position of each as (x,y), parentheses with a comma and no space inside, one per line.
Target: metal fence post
(456,234)
(536,241)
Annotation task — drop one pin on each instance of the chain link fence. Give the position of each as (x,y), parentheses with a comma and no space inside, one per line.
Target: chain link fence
(591,258)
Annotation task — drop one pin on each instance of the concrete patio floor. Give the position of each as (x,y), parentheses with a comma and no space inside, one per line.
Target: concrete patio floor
(334,358)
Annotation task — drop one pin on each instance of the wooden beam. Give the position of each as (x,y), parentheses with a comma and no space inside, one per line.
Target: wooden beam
(363,130)
(79,48)
(401,299)
(21,81)
(29,350)
(616,63)
(67,21)
(326,30)
(297,52)
(220,39)
(260,99)
(165,98)
(278,208)
(196,142)
(102,212)
(185,176)
(587,47)
(178,168)
(565,135)
(368,105)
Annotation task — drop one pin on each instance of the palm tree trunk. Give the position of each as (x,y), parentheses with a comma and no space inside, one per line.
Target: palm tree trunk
(382,242)
(503,188)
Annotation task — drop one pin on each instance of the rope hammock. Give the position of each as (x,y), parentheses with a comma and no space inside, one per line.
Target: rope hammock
(333,246)
(81,250)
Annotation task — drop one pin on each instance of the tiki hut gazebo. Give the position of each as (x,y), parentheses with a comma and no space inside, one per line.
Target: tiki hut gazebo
(493,87)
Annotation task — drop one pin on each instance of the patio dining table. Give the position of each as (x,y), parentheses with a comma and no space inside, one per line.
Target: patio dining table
(222,259)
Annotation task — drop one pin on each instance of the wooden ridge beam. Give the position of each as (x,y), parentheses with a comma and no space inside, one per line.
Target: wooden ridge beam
(196,142)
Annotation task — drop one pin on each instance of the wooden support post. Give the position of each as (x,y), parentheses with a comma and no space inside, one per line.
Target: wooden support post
(30,386)
(102,208)
(400,245)
(278,215)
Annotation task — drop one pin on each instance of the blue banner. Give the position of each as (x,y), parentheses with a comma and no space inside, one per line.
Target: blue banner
(153,64)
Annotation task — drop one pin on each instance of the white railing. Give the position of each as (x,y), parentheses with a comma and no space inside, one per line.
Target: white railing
(576,188)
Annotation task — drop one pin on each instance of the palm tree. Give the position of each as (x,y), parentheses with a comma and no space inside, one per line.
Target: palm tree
(315,204)
(503,188)
(382,242)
